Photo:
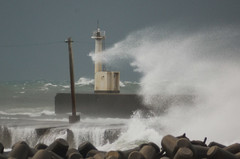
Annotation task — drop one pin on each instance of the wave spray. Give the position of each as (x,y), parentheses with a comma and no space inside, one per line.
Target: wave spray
(204,64)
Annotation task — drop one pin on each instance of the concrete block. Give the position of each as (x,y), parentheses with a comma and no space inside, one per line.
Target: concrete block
(184,153)
(40,146)
(234,148)
(59,146)
(218,153)
(20,150)
(85,147)
(136,155)
(93,152)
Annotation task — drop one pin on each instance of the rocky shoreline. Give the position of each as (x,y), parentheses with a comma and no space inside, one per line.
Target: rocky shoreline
(172,147)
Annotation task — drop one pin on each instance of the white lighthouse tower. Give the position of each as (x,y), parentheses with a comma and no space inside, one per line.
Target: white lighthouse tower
(105,81)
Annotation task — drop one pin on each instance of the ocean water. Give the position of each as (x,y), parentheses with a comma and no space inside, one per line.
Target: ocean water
(204,64)
(28,106)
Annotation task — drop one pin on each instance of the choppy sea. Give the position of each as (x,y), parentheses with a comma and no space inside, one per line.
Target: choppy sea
(28,106)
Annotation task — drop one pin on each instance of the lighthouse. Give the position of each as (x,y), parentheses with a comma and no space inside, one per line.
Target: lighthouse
(105,81)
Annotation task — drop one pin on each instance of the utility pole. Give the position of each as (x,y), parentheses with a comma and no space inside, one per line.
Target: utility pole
(74,118)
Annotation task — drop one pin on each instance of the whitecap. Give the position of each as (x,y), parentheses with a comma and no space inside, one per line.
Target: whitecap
(50,84)
(122,84)
(85,81)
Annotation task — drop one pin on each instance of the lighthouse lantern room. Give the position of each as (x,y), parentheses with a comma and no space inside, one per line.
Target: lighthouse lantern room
(105,81)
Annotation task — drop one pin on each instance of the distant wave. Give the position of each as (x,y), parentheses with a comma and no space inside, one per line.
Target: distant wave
(50,84)
(30,114)
(88,81)
(85,81)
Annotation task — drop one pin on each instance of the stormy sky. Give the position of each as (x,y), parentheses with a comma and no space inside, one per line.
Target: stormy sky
(32,33)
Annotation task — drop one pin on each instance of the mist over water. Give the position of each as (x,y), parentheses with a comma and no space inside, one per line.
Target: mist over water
(204,64)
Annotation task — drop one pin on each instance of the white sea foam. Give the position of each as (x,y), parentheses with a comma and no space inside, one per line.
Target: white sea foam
(65,86)
(50,84)
(14,112)
(122,84)
(85,81)
(53,134)
(27,134)
(138,130)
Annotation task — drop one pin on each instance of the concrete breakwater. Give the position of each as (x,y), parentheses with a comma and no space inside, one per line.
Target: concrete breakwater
(116,105)
(172,147)
(34,135)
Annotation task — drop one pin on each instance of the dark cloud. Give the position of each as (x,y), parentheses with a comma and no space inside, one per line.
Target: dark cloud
(32,33)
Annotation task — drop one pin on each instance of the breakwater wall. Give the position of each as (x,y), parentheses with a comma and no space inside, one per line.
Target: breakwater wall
(73,135)
(117,105)
(172,147)
(100,105)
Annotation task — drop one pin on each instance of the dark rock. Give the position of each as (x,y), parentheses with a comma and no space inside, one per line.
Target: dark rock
(99,156)
(85,147)
(169,145)
(59,147)
(148,151)
(184,153)
(3,156)
(75,155)
(42,154)
(93,152)
(40,146)
(216,144)
(234,148)
(71,150)
(126,153)
(218,153)
(115,154)
(136,155)
(20,150)
(1,148)
(200,151)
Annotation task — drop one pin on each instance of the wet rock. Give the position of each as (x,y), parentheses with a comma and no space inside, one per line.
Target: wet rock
(148,151)
(42,154)
(93,152)
(136,155)
(71,150)
(99,156)
(59,147)
(126,153)
(184,153)
(200,151)
(40,146)
(1,148)
(85,147)
(216,152)
(169,145)
(234,148)
(115,154)
(20,150)
(74,155)
(198,142)
(3,156)
(213,143)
